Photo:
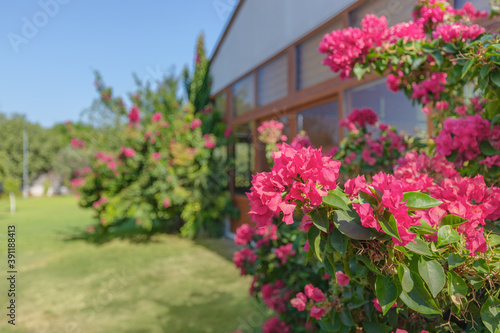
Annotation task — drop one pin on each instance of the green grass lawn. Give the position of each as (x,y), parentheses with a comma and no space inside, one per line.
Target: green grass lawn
(165,285)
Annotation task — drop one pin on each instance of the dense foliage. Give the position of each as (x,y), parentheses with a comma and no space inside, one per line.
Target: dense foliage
(416,248)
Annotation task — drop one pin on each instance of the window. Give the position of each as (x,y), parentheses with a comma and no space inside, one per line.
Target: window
(220,103)
(478,4)
(310,68)
(395,11)
(272,80)
(244,158)
(321,123)
(244,95)
(263,162)
(392,108)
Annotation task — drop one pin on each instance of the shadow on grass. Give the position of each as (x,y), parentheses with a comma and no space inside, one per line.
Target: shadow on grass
(210,310)
(128,231)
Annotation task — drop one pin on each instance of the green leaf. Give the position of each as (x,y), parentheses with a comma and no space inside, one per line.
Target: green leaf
(455,260)
(485,70)
(335,201)
(373,327)
(418,61)
(438,57)
(476,282)
(339,241)
(405,279)
(467,66)
(368,264)
(419,201)
(386,292)
(360,71)
(481,266)
(418,298)
(346,318)
(349,224)
(490,314)
(433,275)
(495,77)
(364,197)
(487,149)
(447,235)
(314,239)
(390,227)
(423,228)
(420,247)
(320,219)
(452,220)
(456,285)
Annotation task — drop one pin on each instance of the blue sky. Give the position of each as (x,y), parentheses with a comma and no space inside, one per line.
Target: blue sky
(50,48)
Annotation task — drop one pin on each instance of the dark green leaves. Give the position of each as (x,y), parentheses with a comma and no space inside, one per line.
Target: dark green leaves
(495,77)
(349,224)
(455,260)
(456,285)
(467,66)
(419,201)
(490,314)
(433,275)
(386,292)
(320,219)
(418,298)
(390,227)
(487,149)
(481,266)
(339,242)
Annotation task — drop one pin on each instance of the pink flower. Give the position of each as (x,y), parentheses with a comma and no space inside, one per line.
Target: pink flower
(283,252)
(426,110)
(195,123)
(366,156)
(317,312)
(166,202)
(134,115)
(112,165)
(228,131)
(299,302)
(77,182)
(314,293)
(77,143)
(365,212)
(128,152)
(442,105)
(270,131)
(244,234)
(91,229)
(97,204)
(274,325)
(156,156)
(157,117)
(461,110)
(377,306)
(210,141)
(342,278)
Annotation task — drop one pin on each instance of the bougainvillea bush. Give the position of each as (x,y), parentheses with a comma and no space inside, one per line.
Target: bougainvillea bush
(444,62)
(415,249)
(403,251)
(162,177)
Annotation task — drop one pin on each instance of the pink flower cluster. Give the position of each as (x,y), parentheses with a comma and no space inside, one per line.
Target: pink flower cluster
(134,116)
(244,234)
(453,32)
(301,140)
(468,198)
(128,152)
(274,325)
(315,295)
(276,295)
(245,256)
(421,171)
(157,117)
(210,141)
(465,135)
(391,199)
(107,159)
(347,46)
(97,204)
(77,182)
(283,252)
(270,132)
(77,143)
(298,176)
(195,123)
(359,118)
(430,88)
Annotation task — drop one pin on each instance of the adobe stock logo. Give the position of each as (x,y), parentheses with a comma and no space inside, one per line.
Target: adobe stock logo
(30,27)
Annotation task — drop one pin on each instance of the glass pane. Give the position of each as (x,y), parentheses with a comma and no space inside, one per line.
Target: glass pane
(394,11)
(392,108)
(272,80)
(244,95)
(220,103)
(310,68)
(263,163)
(321,124)
(244,158)
(478,4)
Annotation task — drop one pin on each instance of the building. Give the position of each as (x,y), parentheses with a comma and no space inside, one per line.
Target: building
(267,66)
